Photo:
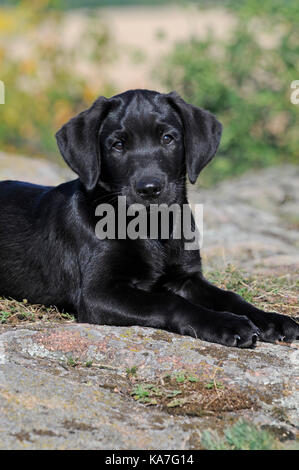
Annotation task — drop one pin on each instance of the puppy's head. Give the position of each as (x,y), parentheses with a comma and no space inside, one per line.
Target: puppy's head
(140,144)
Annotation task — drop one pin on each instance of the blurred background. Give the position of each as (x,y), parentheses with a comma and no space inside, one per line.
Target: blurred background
(234,58)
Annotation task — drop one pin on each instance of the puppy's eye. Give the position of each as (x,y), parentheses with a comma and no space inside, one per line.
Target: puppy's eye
(118,145)
(166,139)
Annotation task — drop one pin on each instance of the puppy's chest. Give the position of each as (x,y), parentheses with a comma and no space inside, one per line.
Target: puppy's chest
(149,265)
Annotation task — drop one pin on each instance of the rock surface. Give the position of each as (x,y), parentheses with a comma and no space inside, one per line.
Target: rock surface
(71,386)
(33,170)
(68,387)
(253,221)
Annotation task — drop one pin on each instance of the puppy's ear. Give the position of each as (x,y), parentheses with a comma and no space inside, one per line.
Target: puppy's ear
(78,142)
(202,133)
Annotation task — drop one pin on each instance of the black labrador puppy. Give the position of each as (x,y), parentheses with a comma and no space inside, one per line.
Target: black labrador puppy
(139,144)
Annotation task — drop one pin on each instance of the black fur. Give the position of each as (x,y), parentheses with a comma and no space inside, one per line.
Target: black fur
(49,253)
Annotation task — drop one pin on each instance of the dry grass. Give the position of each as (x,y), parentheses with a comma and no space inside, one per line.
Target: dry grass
(278,294)
(13,313)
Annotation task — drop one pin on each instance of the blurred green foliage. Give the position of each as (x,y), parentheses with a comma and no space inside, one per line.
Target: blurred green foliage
(50,75)
(241,436)
(286,9)
(245,80)
(67,4)
(45,83)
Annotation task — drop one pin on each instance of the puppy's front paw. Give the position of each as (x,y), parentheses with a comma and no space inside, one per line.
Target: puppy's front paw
(239,332)
(225,328)
(276,327)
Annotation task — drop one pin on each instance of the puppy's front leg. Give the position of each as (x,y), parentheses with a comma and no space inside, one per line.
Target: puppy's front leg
(273,326)
(127,306)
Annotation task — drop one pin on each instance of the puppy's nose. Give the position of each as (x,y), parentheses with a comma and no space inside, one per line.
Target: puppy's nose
(149,187)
